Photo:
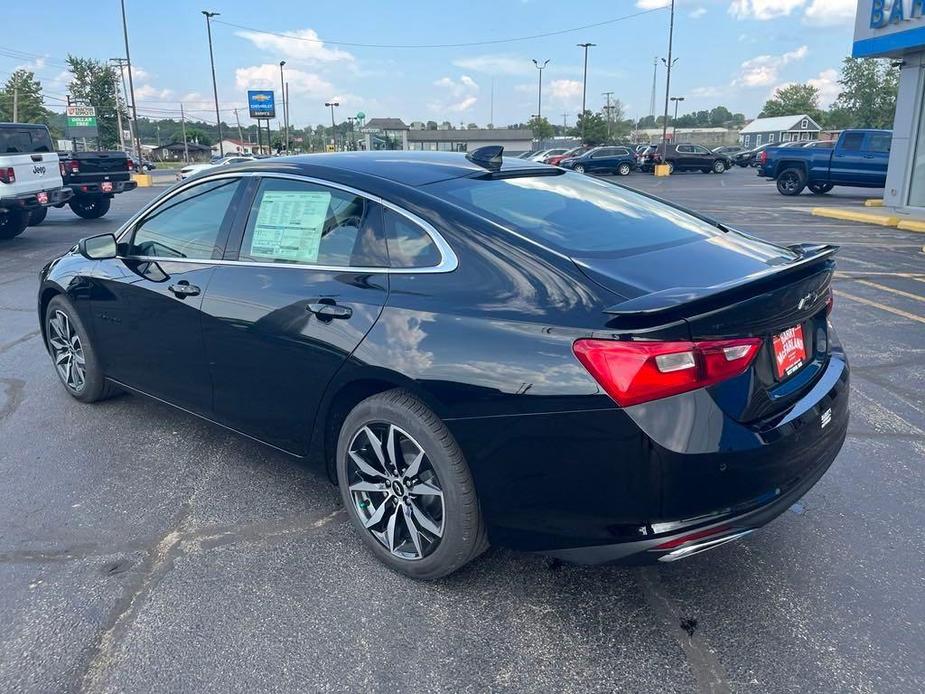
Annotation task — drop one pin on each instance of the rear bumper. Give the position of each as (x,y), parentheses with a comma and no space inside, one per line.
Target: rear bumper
(28,201)
(96,187)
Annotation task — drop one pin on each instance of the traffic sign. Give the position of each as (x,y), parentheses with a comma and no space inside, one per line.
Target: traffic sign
(261,103)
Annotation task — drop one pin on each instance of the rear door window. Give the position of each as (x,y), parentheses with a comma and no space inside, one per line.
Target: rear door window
(852,142)
(409,245)
(24,141)
(576,215)
(879,142)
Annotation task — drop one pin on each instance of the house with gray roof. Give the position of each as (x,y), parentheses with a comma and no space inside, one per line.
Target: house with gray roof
(779,129)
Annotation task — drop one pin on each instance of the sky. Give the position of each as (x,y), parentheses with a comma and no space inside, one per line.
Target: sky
(729,52)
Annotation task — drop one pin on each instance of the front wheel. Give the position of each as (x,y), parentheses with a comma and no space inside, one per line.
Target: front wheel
(407,487)
(13,223)
(37,216)
(719,166)
(579,168)
(791,182)
(90,208)
(820,188)
(624,169)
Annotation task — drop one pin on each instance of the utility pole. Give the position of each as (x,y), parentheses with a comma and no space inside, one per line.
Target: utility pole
(609,112)
(218,116)
(332,104)
(238,119)
(286,100)
(668,64)
(115,93)
(183,128)
(282,93)
(654,75)
(584,81)
(16,103)
(564,120)
(539,95)
(674,121)
(131,85)
(491,108)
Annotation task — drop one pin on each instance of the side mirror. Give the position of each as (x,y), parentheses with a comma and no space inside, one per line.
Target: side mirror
(99,247)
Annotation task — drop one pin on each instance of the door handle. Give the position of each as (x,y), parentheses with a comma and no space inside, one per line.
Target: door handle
(329,311)
(183,289)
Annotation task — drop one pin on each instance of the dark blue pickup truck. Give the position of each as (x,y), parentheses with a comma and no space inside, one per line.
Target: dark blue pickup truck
(859,159)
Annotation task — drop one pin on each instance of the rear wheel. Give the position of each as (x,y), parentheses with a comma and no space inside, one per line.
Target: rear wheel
(407,488)
(37,216)
(72,354)
(820,188)
(90,208)
(624,169)
(791,182)
(13,223)
(719,166)
(579,168)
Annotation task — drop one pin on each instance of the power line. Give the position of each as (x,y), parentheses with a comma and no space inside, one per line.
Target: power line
(491,42)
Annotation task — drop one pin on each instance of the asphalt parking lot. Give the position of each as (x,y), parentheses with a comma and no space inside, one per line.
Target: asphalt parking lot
(143,550)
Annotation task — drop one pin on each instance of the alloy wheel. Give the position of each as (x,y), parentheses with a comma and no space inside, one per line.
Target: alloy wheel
(395,490)
(789,182)
(67,352)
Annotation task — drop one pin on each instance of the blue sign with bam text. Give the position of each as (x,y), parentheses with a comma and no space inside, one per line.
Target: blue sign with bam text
(261,104)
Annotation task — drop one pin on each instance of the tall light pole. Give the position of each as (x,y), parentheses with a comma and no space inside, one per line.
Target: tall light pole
(332,104)
(282,93)
(668,64)
(584,81)
(674,121)
(218,117)
(539,96)
(131,86)
(609,112)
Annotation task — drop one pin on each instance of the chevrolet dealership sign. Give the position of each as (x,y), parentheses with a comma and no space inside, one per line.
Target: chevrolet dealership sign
(888,27)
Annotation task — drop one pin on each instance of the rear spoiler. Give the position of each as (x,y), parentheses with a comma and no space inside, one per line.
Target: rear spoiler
(668,299)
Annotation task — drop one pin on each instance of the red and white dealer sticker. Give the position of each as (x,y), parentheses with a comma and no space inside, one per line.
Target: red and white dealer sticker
(789,351)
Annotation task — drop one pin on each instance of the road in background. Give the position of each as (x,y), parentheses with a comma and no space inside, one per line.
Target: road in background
(144,550)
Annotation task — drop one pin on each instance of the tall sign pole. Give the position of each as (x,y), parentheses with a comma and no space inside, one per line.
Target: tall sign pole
(183,127)
(218,116)
(668,74)
(131,86)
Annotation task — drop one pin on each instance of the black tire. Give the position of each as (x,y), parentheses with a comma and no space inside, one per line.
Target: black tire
(94,385)
(579,168)
(90,208)
(13,223)
(624,169)
(820,188)
(791,182)
(719,166)
(37,216)
(670,167)
(463,532)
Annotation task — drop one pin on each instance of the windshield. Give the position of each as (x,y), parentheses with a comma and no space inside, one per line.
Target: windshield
(576,214)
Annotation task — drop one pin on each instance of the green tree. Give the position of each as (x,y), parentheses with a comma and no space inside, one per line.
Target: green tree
(591,128)
(868,94)
(719,116)
(197,135)
(542,128)
(647,122)
(27,92)
(94,83)
(793,100)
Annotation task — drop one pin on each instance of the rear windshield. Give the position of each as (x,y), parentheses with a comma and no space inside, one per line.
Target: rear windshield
(576,214)
(24,141)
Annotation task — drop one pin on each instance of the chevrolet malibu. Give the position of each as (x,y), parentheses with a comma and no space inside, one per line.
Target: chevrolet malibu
(478,350)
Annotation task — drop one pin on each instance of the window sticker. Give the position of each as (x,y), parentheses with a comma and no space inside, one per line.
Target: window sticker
(289,225)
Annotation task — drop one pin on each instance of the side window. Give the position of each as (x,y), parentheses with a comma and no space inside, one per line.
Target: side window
(700,150)
(771,137)
(409,245)
(683,149)
(879,142)
(300,222)
(852,142)
(804,124)
(748,139)
(188,225)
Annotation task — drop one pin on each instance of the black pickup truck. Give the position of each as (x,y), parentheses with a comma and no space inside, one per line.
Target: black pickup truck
(95,177)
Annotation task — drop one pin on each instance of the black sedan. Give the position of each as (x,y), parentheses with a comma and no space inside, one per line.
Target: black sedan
(478,350)
(612,160)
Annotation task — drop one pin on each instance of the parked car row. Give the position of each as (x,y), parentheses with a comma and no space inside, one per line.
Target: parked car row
(749,157)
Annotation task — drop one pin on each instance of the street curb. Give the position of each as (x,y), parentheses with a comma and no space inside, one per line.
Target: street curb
(912,225)
(884,220)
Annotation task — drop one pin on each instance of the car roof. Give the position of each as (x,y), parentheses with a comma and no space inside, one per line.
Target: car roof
(414,168)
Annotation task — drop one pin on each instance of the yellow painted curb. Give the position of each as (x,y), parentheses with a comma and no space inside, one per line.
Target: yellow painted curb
(143,180)
(662,170)
(873,202)
(912,225)
(852,216)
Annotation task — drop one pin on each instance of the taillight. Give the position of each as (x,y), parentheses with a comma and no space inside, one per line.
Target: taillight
(763,157)
(637,372)
(73,166)
(131,164)
(7,175)
(61,169)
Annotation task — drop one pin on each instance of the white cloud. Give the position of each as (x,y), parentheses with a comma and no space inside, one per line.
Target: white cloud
(150,93)
(698,13)
(763,9)
(763,70)
(708,92)
(498,64)
(827,84)
(565,91)
(459,95)
(267,76)
(302,44)
(830,12)
(651,4)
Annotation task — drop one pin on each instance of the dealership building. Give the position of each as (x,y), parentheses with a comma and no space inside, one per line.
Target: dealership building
(896,29)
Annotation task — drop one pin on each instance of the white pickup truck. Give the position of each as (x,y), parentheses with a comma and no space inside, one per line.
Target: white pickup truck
(30,177)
